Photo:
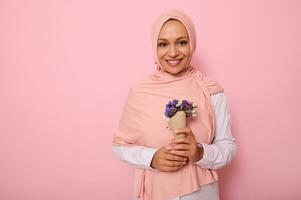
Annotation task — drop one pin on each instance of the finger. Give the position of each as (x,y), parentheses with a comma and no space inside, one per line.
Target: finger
(183,153)
(179,147)
(173,157)
(183,130)
(180,135)
(181,140)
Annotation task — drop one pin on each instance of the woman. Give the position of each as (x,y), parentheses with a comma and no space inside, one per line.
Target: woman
(184,166)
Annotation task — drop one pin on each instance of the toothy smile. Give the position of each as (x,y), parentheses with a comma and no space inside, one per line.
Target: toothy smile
(174,62)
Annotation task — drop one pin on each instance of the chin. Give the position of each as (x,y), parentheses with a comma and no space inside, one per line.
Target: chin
(173,70)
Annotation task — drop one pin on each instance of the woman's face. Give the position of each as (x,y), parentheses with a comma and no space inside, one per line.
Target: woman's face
(173,47)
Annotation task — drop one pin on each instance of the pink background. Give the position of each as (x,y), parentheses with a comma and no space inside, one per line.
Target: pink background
(65,71)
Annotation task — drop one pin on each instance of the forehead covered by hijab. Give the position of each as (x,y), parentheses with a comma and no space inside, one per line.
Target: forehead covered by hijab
(164,17)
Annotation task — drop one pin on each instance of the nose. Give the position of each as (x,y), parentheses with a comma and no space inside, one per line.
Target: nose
(173,51)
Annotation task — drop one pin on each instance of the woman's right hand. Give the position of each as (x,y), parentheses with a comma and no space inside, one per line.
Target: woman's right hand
(164,161)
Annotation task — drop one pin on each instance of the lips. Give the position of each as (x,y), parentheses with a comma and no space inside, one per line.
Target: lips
(174,62)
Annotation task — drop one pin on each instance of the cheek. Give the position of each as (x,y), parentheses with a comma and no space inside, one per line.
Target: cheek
(160,56)
(160,53)
(186,51)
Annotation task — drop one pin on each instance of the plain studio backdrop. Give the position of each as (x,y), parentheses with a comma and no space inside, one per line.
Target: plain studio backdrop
(66,68)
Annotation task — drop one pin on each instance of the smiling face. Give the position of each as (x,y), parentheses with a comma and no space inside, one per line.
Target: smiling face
(173,47)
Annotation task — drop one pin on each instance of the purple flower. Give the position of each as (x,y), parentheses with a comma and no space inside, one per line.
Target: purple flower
(175,105)
(170,108)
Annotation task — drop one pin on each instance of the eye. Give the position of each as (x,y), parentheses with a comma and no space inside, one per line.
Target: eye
(162,44)
(183,42)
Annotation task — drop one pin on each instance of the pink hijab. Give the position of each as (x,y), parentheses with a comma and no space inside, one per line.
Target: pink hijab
(143,122)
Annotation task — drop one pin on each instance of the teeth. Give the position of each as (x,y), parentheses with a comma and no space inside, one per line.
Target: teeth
(174,62)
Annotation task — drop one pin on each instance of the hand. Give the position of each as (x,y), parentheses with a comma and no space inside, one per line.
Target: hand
(164,161)
(185,144)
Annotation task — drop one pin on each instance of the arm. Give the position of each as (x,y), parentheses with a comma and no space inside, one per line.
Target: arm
(223,147)
(138,156)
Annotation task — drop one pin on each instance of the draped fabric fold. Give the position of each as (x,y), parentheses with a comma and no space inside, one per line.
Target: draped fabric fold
(143,123)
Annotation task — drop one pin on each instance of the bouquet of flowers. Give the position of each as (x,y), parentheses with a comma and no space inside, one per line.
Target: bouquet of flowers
(176,112)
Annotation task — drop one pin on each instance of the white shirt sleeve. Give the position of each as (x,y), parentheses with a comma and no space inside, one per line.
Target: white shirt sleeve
(138,156)
(223,147)
(216,155)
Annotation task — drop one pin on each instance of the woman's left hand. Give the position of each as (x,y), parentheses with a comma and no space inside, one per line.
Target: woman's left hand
(185,144)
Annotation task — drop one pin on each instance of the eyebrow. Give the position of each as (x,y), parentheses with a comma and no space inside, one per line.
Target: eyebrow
(177,39)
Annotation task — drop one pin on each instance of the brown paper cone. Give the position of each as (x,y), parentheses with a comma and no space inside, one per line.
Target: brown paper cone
(178,121)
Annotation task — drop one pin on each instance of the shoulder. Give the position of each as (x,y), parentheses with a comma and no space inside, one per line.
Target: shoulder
(212,86)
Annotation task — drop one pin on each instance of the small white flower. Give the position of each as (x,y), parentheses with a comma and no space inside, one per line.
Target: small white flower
(179,103)
(194,115)
(193,105)
(193,111)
